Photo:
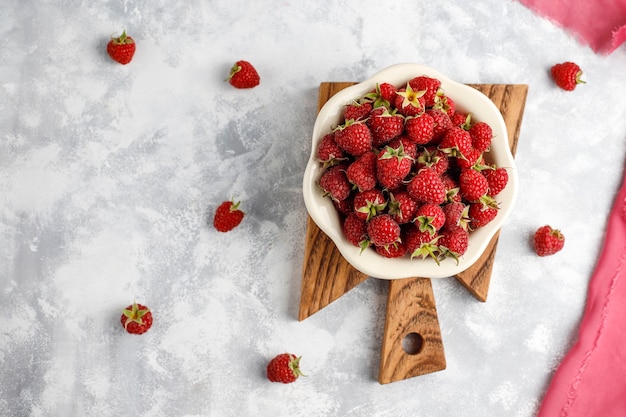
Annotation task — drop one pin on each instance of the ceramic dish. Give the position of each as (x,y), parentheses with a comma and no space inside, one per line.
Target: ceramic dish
(324,214)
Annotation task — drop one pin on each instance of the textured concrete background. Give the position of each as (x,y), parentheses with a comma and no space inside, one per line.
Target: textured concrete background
(109,175)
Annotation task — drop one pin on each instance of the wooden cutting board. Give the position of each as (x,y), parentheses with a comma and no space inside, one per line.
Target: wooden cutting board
(412,343)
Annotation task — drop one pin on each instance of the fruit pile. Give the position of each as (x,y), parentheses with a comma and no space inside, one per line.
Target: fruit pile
(407,172)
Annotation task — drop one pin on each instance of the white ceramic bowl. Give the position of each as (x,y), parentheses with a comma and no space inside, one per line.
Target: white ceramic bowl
(325,215)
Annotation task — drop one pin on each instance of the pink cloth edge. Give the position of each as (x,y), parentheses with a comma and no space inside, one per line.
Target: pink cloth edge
(617,39)
(560,14)
(566,394)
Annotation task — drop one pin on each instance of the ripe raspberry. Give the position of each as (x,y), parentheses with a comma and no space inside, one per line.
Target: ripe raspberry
(481,213)
(427,187)
(421,244)
(497,178)
(383,95)
(345,206)
(410,102)
(354,137)
(567,75)
(385,125)
(284,368)
(430,218)
(328,152)
(454,242)
(392,166)
(355,230)
(473,184)
(395,250)
(410,148)
(122,49)
(227,216)
(370,203)
(548,241)
(136,319)
(357,111)
(243,75)
(388,92)
(445,104)
(383,230)
(434,158)
(481,134)
(335,183)
(401,207)
(461,120)
(453,193)
(456,142)
(442,123)
(429,85)
(471,159)
(421,128)
(362,172)
(457,215)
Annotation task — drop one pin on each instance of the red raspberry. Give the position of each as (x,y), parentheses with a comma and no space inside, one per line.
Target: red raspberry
(473,184)
(427,187)
(136,319)
(362,172)
(454,242)
(453,193)
(357,111)
(410,102)
(345,206)
(429,84)
(421,243)
(391,251)
(392,166)
(567,75)
(497,179)
(421,128)
(243,75)
(354,137)
(284,368)
(328,152)
(410,148)
(456,142)
(355,230)
(402,207)
(370,203)
(430,217)
(388,92)
(335,183)
(445,104)
(457,215)
(548,241)
(227,216)
(481,134)
(383,230)
(385,125)
(442,123)
(481,214)
(434,158)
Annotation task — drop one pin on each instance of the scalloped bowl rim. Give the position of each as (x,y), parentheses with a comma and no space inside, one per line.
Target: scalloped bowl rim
(324,214)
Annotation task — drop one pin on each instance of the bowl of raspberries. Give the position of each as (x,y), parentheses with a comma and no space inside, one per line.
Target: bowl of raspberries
(410,173)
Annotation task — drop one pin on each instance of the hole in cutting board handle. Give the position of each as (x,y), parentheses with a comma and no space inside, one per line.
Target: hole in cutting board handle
(412,343)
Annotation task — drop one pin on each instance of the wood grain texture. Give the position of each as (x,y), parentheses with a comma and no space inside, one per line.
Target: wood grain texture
(326,275)
(511,100)
(411,311)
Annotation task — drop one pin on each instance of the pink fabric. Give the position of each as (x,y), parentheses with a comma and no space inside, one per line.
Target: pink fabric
(601,24)
(591,379)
